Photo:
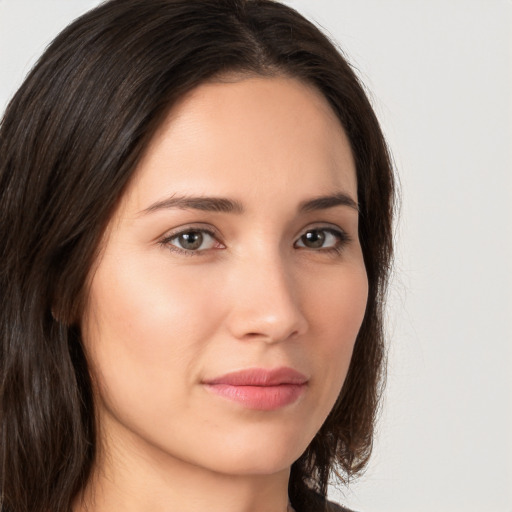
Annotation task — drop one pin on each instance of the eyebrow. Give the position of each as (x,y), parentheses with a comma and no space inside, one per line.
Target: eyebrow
(206,204)
(226,205)
(329,201)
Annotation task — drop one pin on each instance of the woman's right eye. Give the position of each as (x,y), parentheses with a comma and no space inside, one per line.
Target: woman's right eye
(192,241)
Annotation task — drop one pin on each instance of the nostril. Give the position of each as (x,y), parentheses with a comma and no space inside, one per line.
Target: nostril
(270,337)
(253,335)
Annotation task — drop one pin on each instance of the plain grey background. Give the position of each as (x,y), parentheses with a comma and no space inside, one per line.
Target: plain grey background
(439,74)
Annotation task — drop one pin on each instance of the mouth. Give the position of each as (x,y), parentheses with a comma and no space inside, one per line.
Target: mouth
(259,388)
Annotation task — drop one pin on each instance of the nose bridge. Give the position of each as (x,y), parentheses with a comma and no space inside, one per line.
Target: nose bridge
(265,298)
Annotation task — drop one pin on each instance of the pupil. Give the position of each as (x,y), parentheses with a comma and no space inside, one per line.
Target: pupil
(314,239)
(191,240)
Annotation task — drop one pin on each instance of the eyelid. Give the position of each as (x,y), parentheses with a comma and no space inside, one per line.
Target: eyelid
(323,226)
(203,227)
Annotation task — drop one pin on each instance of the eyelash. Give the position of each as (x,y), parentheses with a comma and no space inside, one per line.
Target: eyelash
(342,240)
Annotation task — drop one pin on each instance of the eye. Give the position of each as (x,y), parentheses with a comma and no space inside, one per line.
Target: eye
(322,239)
(192,240)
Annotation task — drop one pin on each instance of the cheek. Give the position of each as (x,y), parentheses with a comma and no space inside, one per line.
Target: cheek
(338,305)
(336,312)
(144,307)
(144,332)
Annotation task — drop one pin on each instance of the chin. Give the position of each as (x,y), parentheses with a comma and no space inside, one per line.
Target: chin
(260,455)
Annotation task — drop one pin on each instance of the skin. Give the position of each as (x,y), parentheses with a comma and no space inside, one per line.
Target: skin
(160,320)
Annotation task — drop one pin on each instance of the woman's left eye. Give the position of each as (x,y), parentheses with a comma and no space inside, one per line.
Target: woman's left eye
(322,239)
(192,240)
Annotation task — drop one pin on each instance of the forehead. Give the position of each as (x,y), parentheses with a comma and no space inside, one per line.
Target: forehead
(247,137)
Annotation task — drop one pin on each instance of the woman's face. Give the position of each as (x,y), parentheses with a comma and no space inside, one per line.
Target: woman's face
(230,288)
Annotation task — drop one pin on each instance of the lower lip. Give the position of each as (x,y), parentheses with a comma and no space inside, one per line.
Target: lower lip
(261,398)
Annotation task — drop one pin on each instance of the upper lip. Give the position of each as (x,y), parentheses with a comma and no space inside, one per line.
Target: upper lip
(260,377)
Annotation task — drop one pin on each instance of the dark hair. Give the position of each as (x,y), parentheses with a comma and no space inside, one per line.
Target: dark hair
(69,143)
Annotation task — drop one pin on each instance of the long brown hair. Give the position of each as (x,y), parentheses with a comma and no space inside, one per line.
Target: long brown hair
(69,143)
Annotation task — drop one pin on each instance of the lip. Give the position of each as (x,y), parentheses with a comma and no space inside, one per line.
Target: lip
(259,388)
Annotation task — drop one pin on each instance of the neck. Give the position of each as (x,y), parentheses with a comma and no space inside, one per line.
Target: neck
(149,481)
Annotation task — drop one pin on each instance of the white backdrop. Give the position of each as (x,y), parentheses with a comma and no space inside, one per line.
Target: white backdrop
(440,76)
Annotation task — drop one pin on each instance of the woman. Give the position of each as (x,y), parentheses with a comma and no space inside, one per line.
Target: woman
(196,204)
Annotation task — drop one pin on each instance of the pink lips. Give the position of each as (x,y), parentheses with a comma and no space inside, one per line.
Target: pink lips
(260,389)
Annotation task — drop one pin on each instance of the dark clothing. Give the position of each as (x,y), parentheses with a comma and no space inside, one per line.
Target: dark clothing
(333,507)
(317,503)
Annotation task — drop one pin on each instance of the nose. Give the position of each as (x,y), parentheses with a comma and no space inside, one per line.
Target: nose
(265,301)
